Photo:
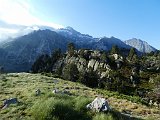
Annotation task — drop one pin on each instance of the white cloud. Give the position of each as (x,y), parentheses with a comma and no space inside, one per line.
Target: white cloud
(5,33)
(20,12)
(16,19)
(8,30)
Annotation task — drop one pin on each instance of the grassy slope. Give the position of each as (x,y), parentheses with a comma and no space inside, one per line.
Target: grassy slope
(23,86)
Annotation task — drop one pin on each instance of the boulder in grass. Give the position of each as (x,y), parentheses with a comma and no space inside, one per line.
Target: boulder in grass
(99,104)
(37,92)
(7,102)
(55,91)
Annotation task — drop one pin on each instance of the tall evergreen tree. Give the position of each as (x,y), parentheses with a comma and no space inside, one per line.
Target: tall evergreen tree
(91,79)
(56,55)
(132,56)
(71,49)
(70,72)
(42,64)
(114,49)
(104,57)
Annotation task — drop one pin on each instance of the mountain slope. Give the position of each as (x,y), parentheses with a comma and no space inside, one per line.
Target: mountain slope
(22,51)
(81,40)
(140,45)
(107,43)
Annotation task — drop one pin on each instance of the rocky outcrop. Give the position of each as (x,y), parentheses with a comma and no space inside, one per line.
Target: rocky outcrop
(93,62)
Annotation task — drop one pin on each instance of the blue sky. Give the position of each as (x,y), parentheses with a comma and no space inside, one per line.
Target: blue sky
(123,19)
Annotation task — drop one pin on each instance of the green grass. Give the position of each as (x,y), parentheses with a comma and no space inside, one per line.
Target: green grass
(59,107)
(106,93)
(102,116)
(49,106)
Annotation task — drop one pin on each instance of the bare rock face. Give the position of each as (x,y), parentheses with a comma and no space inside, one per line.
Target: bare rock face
(115,56)
(95,54)
(99,104)
(104,74)
(91,60)
(96,65)
(140,45)
(83,61)
(91,63)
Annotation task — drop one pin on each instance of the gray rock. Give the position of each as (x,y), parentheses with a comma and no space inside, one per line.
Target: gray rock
(7,102)
(55,91)
(96,65)
(55,81)
(140,45)
(82,61)
(99,104)
(95,53)
(37,92)
(104,74)
(81,68)
(119,63)
(101,65)
(91,63)
(115,56)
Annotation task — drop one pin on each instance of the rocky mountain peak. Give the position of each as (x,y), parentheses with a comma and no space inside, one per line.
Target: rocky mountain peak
(140,45)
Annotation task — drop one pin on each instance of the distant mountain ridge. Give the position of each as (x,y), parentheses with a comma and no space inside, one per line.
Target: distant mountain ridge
(23,51)
(140,45)
(19,54)
(107,43)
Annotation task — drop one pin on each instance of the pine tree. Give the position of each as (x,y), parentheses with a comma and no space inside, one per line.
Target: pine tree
(42,64)
(70,72)
(56,55)
(71,49)
(104,57)
(131,53)
(114,50)
(91,78)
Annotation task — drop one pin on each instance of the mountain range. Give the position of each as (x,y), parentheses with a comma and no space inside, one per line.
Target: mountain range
(19,53)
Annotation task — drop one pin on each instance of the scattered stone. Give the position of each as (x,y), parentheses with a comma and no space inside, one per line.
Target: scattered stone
(99,104)
(150,102)
(7,102)
(156,104)
(55,81)
(38,92)
(66,92)
(55,91)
